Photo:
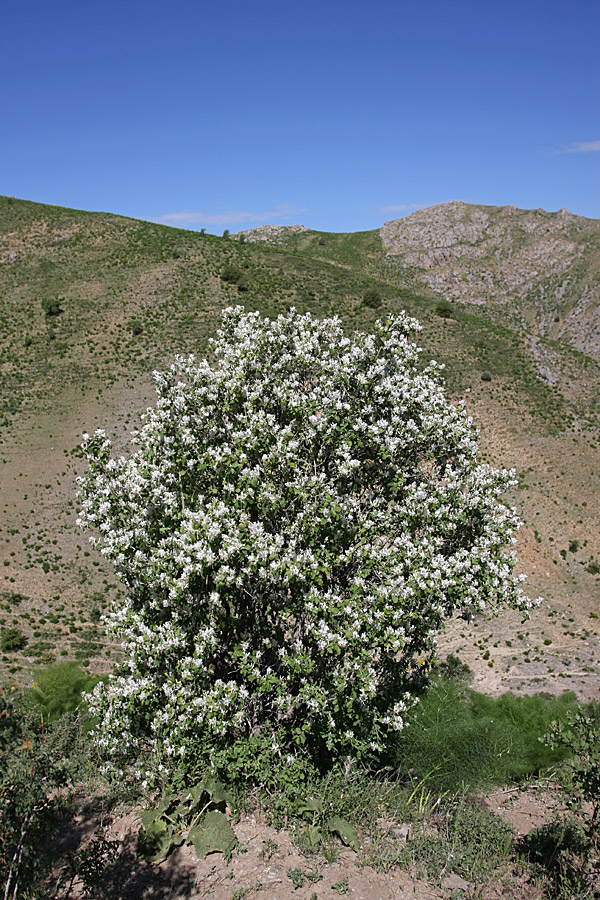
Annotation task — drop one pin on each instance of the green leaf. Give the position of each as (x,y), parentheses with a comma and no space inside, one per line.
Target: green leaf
(183,810)
(215,836)
(344,829)
(155,842)
(311,804)
(314,835)
(208,791)
(163,807)
(217,793)
(148,816)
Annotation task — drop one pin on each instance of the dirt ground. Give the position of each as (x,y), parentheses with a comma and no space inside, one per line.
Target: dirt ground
(268,865)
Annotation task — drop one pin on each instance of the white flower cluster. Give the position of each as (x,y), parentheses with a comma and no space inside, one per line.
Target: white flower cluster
(293,527)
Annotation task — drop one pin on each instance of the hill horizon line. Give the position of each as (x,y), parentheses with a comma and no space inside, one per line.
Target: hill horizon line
(158,220)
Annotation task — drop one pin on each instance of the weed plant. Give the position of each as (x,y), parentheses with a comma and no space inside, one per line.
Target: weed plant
(469,841)
(563,854)
(38,766)
(58,689)
(458,738)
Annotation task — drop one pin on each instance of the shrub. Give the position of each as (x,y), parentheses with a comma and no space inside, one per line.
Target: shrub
(457,737)
(135,327)
(444,310)
(517,725)
(569,847)
(232,275)
(293,528)
(563,851)
(486,376)
(36,765)
(51,306)
(372,298)
(10,726)
(443,745)
(579,735)
(12,640)
(58,689)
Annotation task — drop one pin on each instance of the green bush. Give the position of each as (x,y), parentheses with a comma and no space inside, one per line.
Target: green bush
(444,310)
(372,298)
(37,768)
(58,689)
(12,640)
(443,744)
(10,726)
(486,376)
(578,735)
(520,724)
(563,852)
(232,275)
(135,327)
(456,737)
(51,306)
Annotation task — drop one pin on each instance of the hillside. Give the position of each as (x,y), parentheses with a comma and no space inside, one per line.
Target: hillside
(539,271)
(128,295)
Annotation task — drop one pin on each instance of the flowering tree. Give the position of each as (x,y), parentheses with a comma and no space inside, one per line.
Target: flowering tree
(294,527)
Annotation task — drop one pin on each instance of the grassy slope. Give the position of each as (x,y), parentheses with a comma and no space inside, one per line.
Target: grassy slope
(134,294)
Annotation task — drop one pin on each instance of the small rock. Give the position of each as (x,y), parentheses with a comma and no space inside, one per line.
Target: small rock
(546,375)
(454,882)
(274,871)
(400,832)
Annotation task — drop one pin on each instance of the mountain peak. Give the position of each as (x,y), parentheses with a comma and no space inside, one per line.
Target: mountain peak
(525,260)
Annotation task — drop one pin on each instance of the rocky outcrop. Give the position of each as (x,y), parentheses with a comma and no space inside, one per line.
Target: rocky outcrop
(269,234)
(540,269)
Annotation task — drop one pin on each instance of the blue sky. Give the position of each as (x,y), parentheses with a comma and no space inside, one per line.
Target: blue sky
(336,115)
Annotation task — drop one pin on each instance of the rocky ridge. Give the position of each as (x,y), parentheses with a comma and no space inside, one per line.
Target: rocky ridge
(539,269)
